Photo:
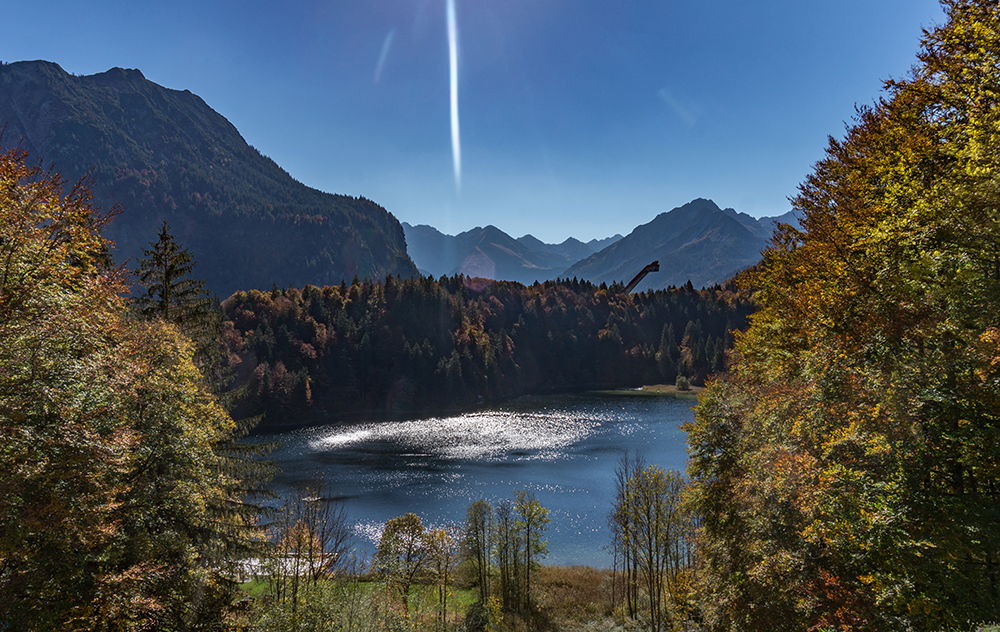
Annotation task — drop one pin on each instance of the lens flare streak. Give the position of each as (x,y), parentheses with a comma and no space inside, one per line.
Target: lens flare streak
(386,45)
(456,143)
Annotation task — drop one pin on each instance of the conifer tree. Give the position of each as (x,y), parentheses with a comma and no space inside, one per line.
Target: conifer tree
(173,294)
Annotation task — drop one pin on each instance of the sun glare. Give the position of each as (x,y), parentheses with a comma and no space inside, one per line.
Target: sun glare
(456,143)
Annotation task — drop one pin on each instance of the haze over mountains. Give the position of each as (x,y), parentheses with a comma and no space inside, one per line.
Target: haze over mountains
(697,242)
(164,155)
(491,253)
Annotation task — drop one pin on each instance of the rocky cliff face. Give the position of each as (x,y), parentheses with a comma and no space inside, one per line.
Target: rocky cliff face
(164,155)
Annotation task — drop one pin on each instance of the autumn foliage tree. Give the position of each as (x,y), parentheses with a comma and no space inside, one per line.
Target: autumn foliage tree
(106,434)
(403,555)
(847,469)
(310,544)
(478,545)
(397,347)
(652,533)
(504,547)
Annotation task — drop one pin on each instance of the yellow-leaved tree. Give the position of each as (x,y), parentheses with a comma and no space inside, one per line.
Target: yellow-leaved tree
(846,469)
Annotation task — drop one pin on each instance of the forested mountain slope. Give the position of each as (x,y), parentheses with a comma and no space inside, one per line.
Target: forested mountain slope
(165,155)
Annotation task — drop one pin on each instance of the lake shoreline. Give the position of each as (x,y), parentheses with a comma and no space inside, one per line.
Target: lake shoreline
(380,415)
(563,449)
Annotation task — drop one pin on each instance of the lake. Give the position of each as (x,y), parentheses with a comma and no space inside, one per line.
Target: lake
(563,448)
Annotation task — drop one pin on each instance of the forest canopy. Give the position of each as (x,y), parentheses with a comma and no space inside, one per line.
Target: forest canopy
(846,469)
(421,345)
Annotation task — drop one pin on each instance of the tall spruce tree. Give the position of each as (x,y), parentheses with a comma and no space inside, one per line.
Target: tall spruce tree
(174,294)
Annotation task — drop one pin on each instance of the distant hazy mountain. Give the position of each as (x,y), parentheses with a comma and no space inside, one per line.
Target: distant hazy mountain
(698,242)
(565,254)
(598,245)
(490,252)
(165,155)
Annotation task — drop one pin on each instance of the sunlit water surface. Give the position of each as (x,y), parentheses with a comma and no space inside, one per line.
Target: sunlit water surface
(564,449)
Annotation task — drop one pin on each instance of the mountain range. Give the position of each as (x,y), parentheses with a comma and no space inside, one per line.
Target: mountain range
(165,155)
(491,253)
(697,242)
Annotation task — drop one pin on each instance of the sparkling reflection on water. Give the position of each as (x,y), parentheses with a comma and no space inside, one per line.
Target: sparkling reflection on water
(562,448)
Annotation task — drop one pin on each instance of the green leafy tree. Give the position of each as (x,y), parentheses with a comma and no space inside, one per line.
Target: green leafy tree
(508,558)
(445,551)
(479,536)
(532,522)
(403,554)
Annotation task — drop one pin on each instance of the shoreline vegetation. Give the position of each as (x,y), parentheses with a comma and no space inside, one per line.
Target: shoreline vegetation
(375,416)
(423,347)
(657,390)
(573,598)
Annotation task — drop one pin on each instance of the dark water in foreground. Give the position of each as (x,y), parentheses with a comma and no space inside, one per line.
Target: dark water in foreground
(562,448)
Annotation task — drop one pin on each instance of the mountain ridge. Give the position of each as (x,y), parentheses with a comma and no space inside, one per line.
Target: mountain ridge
(487,251)
(165,155)
(697,242)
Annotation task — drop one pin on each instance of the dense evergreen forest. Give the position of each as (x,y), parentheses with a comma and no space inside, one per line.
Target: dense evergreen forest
(415,346)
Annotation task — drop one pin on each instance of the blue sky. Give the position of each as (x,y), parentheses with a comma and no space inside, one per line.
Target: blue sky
(577,117)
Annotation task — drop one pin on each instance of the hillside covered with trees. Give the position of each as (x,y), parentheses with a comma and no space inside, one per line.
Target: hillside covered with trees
(846,470)
(420,346)
(165,156)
